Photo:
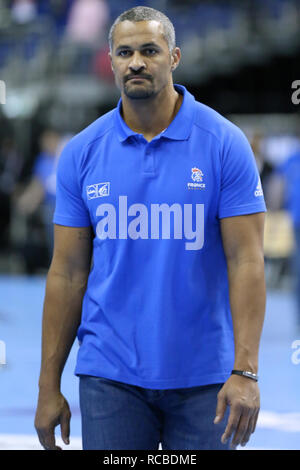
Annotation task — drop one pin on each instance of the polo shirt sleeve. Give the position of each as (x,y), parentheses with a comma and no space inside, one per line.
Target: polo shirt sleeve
(241,191)
(70,209)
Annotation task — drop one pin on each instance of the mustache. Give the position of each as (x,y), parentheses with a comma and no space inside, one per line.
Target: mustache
(137,75)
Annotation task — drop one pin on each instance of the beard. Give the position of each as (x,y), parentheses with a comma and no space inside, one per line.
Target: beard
(139,92)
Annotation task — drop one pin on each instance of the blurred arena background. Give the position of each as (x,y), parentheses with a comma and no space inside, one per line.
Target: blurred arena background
(239,57)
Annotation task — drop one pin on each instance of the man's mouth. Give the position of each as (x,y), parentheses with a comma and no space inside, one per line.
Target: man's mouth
(137,78)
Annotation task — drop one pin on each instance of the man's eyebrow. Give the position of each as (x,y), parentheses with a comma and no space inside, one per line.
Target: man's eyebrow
(148,44)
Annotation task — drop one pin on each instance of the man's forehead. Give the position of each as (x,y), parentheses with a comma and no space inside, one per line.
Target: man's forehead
(132,33)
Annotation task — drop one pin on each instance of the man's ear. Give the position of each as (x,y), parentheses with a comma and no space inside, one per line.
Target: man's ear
(176,55)
(173,66)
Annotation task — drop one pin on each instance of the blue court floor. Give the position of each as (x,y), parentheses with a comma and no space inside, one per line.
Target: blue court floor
(21,301)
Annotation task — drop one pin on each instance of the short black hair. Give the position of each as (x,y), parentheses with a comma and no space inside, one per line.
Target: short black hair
(142,13)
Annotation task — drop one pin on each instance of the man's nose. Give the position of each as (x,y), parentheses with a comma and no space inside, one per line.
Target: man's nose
(137,62)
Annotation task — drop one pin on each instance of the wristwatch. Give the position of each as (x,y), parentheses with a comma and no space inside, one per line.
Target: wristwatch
(245,373)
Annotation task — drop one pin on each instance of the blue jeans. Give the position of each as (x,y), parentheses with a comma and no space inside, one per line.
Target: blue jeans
(116,416)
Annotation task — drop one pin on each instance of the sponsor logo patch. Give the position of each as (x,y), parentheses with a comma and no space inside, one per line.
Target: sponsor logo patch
(98,190)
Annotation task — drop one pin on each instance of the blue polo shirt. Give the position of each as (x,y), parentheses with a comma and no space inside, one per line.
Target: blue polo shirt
(156,311)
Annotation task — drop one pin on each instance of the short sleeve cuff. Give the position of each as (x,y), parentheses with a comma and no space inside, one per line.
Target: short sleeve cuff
(242,210)
(71,221)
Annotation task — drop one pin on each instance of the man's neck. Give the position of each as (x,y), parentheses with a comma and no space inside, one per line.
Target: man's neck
(151,116)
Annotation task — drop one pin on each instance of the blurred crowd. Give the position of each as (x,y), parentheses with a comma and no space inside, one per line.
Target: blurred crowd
(74,32)
(29,28)
(27,199)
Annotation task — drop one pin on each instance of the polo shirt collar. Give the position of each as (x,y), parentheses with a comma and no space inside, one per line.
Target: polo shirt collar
(179,129)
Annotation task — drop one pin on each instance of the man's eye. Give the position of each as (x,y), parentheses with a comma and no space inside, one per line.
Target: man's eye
(123,53)
(150,51)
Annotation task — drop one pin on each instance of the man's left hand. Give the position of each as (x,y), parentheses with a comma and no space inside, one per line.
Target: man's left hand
(242,395)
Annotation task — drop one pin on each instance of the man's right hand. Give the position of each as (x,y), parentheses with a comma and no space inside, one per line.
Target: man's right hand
(52,410)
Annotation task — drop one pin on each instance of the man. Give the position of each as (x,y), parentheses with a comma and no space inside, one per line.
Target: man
(39,194)
(162,191)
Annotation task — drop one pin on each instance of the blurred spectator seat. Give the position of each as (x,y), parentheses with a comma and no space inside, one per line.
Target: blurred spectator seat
(278,246)
(279,240)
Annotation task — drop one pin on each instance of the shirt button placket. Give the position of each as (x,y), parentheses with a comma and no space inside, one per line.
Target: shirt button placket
(149,167)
